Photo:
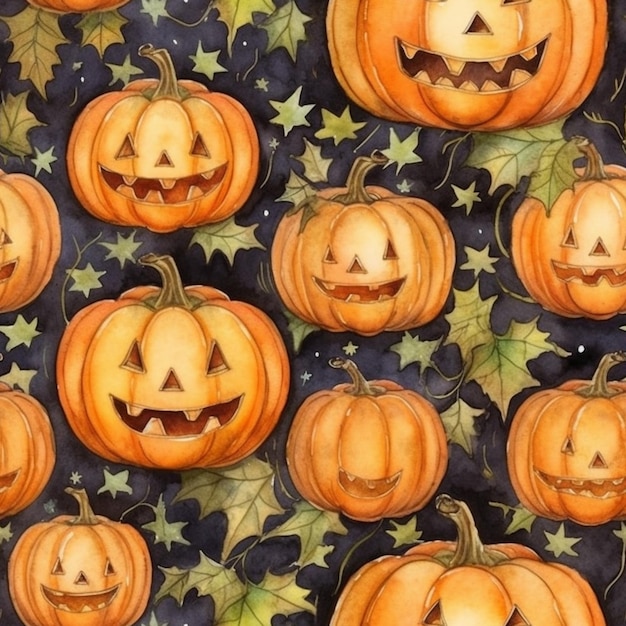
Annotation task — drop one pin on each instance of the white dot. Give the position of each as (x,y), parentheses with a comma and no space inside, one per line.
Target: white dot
(581,349)
(245,43)
(480,231)
(175,42)
(266,212)
(317,354)
(82,79)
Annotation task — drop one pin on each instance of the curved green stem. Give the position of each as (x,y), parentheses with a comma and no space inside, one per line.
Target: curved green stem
(172,293)
(360,386)
(85,516)
(599,387)
(497,220)
(595,165)
(356,179)
(456,143)
(168,83)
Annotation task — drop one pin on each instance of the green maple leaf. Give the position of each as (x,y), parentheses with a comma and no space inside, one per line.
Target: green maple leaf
(116,483)
(16,121)
(238,13)
(500,366)
(123,249)
(244,492)
(299,330)
(413,350)
(5,533)
(559,543)
(466,197)
(226,237)
(43,160)
(164,531)
(123,72)
(155,9)
(290,112)
(35,35)
(338,127)
(20,332)
(405,534)
(102,29)
(315,168)
(402,151)
(522,518)
(275,595)
(459,423)
(206,62)
(310,525)
(285,28)
(479,261)
(85,279)
(297,190)
(17,377)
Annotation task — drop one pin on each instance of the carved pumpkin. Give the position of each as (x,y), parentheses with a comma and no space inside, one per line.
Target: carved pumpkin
(479,65)
(78,6)
(362,258)
(30,239)
(466,583)
(80,571)
(172,378)
(367,449)
(566,449)
(572,260)
(163,154)
(27,450)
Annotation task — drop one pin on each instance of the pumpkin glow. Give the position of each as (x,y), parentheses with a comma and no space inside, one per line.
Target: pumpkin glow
(77,6)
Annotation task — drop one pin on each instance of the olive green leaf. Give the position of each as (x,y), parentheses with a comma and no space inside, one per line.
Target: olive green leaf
(411,349)
(459,423)
(20,333)
(5,533)
(164,531)
(102,29)
(402,151)
(338,127)
(17,377)
(521,519)
(299,330)
(226,237)
(16,121)
(290,113)
(238,13)
(315,168)
(559,543)
(297,190)
(405,534)
(285,28)
(114,483)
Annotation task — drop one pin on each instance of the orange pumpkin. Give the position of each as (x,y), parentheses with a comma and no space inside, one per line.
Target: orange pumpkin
(367,449)
(566,450)
(27,450)
(460,64)
(361,258)
(30,239)
(466,583)
(163,154)
(80,571)
(172,378)
(77,6)
(572,260)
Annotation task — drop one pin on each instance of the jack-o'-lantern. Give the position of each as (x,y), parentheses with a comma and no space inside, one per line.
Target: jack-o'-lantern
(85,570)
(572,259)
(30,239)
(27,450)
(77,6)
(466,583)
(566,450)
(172,378)
(369,449)
(163,154)
(483,65)
(361,258)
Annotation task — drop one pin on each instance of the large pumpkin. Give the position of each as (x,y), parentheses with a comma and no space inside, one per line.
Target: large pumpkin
(367,449)
(572,259)
(172,378)
(468,64)
(163,154)
(78,6)
(567,449)
(27,450)
(80,571)
(30,239)
(362,258)
(466,583)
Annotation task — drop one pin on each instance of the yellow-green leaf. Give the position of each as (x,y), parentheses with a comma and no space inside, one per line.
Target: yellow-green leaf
(285,28)
(237,13)
(101,29)
(459,424)
(226,237)
(16,121)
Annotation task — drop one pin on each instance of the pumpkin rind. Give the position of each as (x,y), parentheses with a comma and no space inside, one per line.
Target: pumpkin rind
(78,6)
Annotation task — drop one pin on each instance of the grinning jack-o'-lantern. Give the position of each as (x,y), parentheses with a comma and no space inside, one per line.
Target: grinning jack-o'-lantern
(572,260)
(566,449)
(172,378)
(163,154)
(80,571)
(361,258)
(479,64)
(466,583)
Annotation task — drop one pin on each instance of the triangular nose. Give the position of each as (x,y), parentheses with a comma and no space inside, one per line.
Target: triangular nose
(356,267)
(478,26)
(599,248)
(164,160)
(171,382)
(598,462)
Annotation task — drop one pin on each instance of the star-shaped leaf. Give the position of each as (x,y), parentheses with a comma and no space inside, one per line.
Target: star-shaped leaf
(285,28)
(338,127)
(459,423)
(206,62)
(237,13)
(405,534)
(414,350)
(102,29)
(290,112)
(16,122)
(154,621)
(43,160)
(123,72)
(20,333)
(155,9)
(559,543)
(116,483)
(299,330)
(466,197)
(226,237)
(522,518)
(479,261)
(164,531)
(123,249)
(315,165)
(17,377)
(402,151)
(6,533)
(85,279)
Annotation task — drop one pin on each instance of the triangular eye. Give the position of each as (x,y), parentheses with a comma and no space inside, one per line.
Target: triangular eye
(598,462)
(127,149)
(109,570)
(390,252)
(58,570)
(81,579)
(164,160)
(599,249)
(506,2)
(4,237)
(434,617)
(171,382)
(568,446)
(217,363)
(569,241)
(198,147)
(517,619)
(478,26)
(329,257)
(134,360)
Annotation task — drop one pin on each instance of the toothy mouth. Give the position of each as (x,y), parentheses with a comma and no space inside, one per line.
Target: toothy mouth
(7,269)
(489,76)
(164,190)
(615,276)
(79,602)
(365,487)
(361,293)
(182,423)
(8,480)
(598,488)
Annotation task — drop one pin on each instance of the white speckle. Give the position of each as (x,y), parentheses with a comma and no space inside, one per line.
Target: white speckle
(317,354)
(266,212)
(245,43)
(82,79)
(581,349)
(480,231)
(175,42)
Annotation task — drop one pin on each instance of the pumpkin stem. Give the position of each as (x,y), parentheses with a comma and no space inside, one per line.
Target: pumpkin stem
(360,386)
(595,165)
(599,387)
(172,293)
(168,84)
(356,179)
(86,515)
(470,550)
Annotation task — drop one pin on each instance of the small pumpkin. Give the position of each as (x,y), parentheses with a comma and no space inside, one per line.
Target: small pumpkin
(164,153)
(479,65)
(173,377)
(566,449)
(27,450)
(462,583)
(77,6)
(572,259)
(362,258)
(84,570)
(30,239)
(369,449)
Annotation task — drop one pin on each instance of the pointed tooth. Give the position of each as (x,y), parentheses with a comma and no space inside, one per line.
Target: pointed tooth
(598,481)
(490,85)
(193,414)
(154,427)
(444,82)
(455,66)
(86,609)
(353,297)
(578,483)
(468,85)
(154,196)
(194,192)
(102,605)
(409,51)
(423,77)
(129,180)
(350,477)
(167,183)
(518,77)
(212,424)
(618,481)
(529,54)
(498,64)
(134,409)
